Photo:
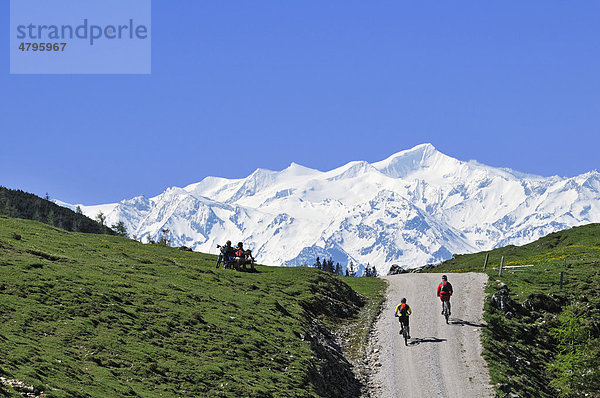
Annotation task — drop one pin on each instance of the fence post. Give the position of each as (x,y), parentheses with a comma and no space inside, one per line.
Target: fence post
(487,256)
(501,264)
(561,279)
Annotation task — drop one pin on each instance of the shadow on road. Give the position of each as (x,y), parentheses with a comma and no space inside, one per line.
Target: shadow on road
(460,322)
(416,341)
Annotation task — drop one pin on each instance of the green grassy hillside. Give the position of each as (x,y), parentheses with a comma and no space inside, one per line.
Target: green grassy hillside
(85,315)
(18,204)
(541,340)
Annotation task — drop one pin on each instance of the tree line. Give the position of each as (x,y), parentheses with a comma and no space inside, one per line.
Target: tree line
(337,269)
(20,204)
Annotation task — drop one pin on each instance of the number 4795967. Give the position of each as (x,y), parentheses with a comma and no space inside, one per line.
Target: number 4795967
(42,46)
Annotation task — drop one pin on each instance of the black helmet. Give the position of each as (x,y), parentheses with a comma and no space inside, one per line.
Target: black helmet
(403,300)
(444,278)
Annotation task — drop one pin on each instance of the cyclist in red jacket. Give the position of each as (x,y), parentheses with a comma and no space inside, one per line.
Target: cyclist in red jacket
(444,291)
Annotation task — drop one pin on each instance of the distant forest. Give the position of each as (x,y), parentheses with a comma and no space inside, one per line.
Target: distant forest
(19,204)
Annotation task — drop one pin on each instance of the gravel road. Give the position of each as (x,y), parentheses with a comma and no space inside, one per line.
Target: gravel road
(441,360)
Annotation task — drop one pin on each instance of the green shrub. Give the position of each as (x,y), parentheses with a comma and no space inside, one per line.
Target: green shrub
(576,368)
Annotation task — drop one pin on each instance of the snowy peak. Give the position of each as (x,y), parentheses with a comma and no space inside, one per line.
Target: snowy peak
(404,163)
(296,170)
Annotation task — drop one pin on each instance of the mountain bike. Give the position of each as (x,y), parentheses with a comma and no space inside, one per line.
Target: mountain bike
(446,310)
(403,330)
(225,257)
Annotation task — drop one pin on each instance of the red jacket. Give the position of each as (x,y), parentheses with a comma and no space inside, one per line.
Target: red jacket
(448,291)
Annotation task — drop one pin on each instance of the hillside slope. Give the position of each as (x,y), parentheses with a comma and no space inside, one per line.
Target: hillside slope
(18,204)
(86,315)
(542,340)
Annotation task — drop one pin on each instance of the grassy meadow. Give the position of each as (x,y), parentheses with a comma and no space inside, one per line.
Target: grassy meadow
(85,315)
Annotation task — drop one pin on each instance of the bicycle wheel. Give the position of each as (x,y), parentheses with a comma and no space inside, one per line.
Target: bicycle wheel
(446,311)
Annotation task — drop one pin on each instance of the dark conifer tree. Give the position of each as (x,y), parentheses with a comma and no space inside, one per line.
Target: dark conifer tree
(328,266)
(318,265)
(370,272)
(164,240)
(50,218)
(120,229)
(101,218)
(352,271)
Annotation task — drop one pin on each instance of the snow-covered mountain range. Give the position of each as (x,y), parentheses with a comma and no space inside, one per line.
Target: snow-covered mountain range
(416,207)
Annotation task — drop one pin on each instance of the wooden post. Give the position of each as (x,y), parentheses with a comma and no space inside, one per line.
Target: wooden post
(501,264)
(487,256)
(561,279)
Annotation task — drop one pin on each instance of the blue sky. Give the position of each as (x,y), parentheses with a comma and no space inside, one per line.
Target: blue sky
(239,85)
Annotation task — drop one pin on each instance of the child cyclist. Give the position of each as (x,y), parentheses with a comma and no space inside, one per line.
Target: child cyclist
(403,311)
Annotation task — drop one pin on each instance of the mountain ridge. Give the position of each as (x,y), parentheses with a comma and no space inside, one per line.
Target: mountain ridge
(290,215)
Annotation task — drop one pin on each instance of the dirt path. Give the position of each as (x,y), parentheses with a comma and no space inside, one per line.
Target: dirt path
(441,360)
